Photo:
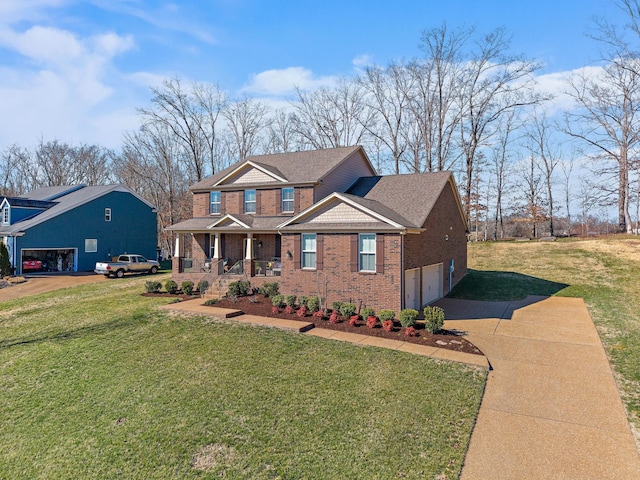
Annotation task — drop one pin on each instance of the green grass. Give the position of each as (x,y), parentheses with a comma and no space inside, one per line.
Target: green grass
(603,271)
(96,382)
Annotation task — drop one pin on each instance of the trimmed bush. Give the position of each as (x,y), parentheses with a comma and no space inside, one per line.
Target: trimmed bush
(289,309)
(290,300)
(170,286)
(386,315)
(187,287)
(410,332)
(302,300)
(275,309)
(347,310)
(408,317)
(433,319)
(367,312)
(211,301)
(318,315)
(202,286)
(239,289)
(313,304)
(353,320)
(269,289)
(302,312)
(372,321)
(152,286)
(334,317)
(335,306)
(387,325)
(278,300)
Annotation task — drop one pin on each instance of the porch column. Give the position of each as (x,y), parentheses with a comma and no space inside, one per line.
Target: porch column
(176,252)
(216,246)
(249,250)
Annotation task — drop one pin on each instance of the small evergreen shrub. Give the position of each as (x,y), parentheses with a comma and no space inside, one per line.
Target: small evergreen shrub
(372,321)
(386,315)
(347,310)
(211,301)
(334,317)
(410,332)
(302,312)
(152,286)
(170,286)
(269,289)
(290,300)
(5,261)
(367,312)
(289,309)
(408,317)
(302,300)
(278,300)
(335,306)
(387,325)
(202,286)
(433,319)
(239,288)
(187,287)
(318,315)
(353,320)
(275,309)
(313,304)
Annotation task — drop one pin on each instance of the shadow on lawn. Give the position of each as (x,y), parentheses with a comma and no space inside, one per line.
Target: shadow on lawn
(57,336)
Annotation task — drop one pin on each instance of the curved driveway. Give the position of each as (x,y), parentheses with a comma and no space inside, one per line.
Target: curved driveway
(47,282)
(551,408)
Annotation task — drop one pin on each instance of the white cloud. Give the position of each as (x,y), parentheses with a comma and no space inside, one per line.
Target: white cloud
(363,61)
(556,84)
(280,82)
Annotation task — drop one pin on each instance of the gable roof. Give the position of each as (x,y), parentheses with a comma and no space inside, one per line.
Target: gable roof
(74,197)
(243,222)
(294,167)
(26,202)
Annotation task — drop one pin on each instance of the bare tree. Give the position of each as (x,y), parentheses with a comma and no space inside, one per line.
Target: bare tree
(567,169)
(281,136)
(246,121)
(210,102)
(531,209)
(500,168)
(16,171)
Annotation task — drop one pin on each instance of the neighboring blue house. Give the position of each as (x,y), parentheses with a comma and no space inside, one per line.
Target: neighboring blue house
(70,228)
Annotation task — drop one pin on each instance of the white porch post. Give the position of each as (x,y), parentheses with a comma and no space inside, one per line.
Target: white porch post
(249,250)
(176,252)
(216,246)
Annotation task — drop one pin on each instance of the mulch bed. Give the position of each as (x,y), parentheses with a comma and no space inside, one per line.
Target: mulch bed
(257,305)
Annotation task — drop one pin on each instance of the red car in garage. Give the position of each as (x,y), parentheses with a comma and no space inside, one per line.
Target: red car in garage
(31,265)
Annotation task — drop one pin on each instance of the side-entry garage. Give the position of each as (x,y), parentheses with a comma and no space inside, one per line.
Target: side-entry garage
(422,286)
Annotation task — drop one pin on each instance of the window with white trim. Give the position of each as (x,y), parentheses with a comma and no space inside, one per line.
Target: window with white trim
(287,199)
(107,214)
(214,203)
(367,252)
(90,245)
(308,259)
(5,215)
(249,201)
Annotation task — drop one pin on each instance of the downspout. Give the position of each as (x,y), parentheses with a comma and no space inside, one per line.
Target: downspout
(451,269)
(402,235)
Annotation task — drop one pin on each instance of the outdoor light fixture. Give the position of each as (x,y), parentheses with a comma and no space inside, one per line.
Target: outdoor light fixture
(288,255)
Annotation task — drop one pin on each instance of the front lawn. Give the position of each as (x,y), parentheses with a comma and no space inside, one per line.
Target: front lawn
(96,382)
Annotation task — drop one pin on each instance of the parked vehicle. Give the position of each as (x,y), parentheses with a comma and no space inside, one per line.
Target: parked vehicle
(32,264)
(127,264)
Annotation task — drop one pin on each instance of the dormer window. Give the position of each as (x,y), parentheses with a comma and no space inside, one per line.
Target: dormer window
(107,214)
(5,215)
(214,203)
(249,201)
(287,200)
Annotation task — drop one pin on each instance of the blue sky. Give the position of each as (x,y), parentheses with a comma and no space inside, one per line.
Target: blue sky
(77,70)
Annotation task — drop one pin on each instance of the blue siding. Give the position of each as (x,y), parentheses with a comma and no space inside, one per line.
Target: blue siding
(132,229)
(20,213)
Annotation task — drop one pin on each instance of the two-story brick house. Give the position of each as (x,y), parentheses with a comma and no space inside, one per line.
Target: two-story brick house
(323,223)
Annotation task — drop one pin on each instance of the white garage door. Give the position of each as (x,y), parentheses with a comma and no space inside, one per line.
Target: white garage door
(412,288)
(431,283)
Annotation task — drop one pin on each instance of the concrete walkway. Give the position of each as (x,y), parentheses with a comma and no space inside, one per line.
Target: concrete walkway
(551,409)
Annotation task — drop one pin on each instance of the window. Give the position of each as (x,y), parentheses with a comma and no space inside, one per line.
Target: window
(5,215)
(107,214)
(90,245)
(367,252)
(249,201)
(308,250)
(214,205)
(287,199)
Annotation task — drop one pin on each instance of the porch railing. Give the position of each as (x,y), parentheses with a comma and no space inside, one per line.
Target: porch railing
(264,268)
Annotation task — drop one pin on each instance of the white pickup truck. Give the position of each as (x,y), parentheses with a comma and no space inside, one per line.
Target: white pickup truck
(126,264)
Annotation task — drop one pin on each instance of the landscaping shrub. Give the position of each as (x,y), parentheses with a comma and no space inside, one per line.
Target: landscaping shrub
(5,261)
(347,310)
(278,300)
(202,286)
(318,315)
(372,321)
(302,311)
(211,301)
(289,309)
(187,287)
(239,288)
(387,325)
(313,304)
(170,286)
(410,332)
(334,317)
(290,300)
(269,289)
(275,309)
(335,306)
(353,320)
(367,312)
(433,319)
(302,300)
(386,315)
(152,286)
(408,317)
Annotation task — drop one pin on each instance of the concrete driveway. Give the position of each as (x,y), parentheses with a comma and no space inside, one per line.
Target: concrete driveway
(46,282)
(551,408)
